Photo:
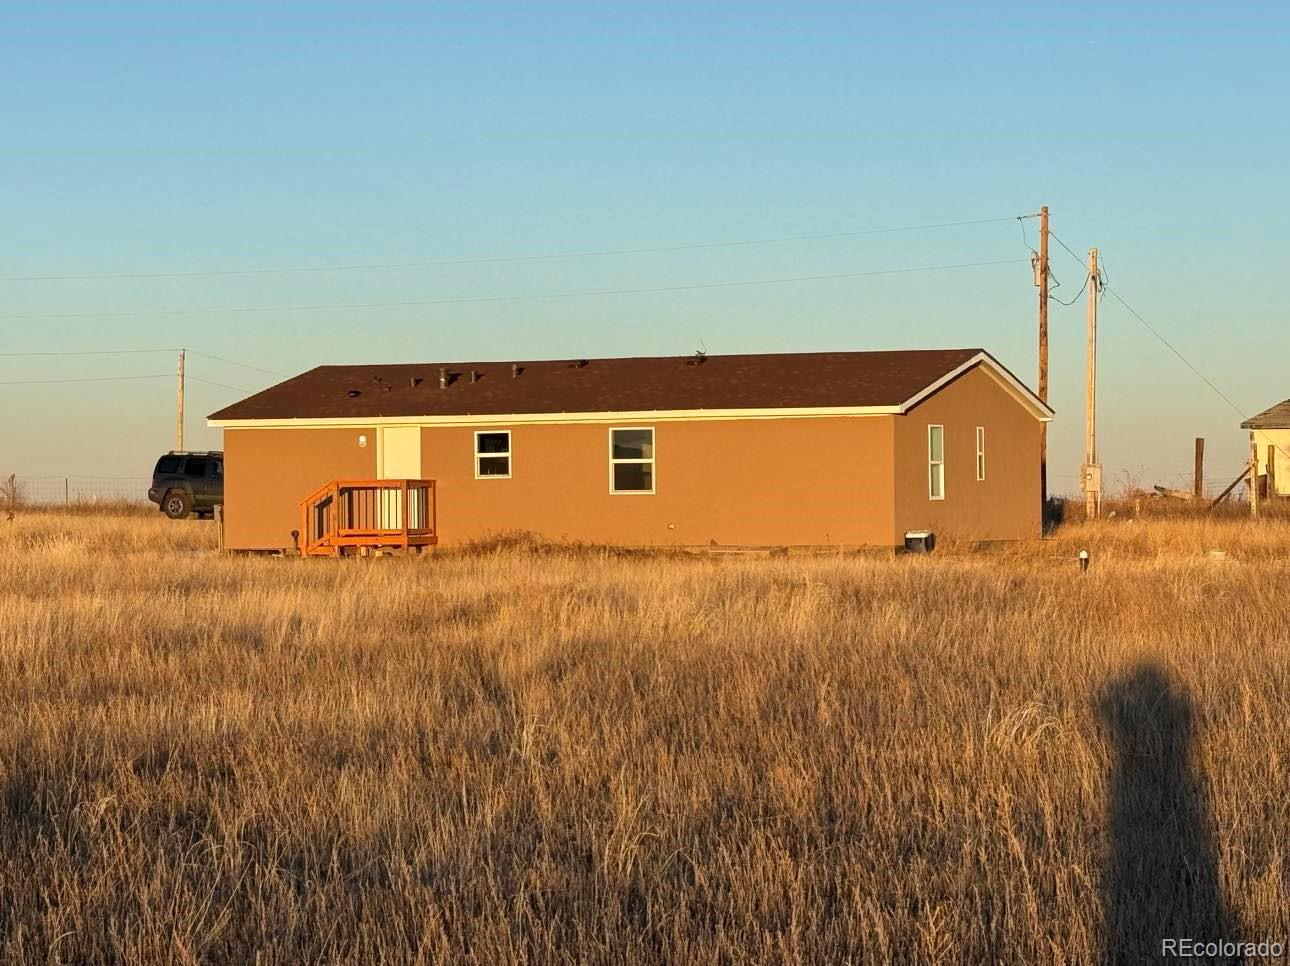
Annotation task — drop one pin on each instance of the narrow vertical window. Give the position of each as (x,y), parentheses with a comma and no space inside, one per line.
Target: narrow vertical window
(936,462)
(493,455)
(980,453)
(631,461)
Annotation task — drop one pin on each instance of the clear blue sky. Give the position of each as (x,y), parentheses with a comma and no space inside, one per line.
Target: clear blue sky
(170,138)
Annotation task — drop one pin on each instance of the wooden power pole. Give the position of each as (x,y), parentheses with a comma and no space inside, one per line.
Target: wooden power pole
(1042,271)
(179,412)
(1254,477)
(1091,475)
(1198,475)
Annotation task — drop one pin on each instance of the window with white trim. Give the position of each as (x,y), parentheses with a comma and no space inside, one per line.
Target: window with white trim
(980,453)
(936,462)
(493,455)
(631,460)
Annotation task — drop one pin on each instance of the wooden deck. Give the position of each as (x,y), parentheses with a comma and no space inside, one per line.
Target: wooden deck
(362,516)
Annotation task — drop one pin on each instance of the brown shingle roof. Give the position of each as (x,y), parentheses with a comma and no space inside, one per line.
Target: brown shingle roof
(797,380)
(1278,417)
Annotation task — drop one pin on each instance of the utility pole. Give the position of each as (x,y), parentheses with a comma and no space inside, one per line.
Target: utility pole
(1198,474)
(1091,474)
(1254,477)
(179,412)
(1041,269)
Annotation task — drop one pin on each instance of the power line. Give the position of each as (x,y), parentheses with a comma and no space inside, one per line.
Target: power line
(329,306)
(163,375)
(1154,331)
(48,382)
(122,352)
(1076,296)
(1068,249)
(234,362)
(211,382)
(1168,345)
(494,259)
(83,352)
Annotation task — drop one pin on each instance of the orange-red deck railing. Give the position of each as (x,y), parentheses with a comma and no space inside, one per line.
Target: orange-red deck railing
(375,514)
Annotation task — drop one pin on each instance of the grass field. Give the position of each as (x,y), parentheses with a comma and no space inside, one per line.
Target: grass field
(525,755)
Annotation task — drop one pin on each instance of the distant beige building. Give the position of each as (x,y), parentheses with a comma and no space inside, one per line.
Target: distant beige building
(1272,428)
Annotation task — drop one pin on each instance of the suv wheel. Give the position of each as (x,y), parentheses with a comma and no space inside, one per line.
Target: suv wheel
(177,505)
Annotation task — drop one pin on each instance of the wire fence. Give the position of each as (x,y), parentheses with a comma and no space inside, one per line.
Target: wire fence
(66,490)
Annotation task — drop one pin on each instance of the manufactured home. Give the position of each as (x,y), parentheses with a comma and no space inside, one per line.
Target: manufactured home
(845,449)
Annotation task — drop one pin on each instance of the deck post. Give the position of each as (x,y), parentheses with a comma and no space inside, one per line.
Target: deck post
(403,489)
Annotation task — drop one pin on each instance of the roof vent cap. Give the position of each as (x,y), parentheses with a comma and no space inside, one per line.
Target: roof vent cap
(354,393)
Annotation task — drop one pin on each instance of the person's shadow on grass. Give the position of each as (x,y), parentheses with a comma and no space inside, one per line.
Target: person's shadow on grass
(1160,880)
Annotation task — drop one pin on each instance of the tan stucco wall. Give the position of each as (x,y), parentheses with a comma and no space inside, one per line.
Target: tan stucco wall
(838,480)
(749,482)
(267,472)
(1006,506)
(1280,438)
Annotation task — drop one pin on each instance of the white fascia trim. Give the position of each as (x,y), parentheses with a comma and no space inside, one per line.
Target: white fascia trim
(509,419)
(1023,395)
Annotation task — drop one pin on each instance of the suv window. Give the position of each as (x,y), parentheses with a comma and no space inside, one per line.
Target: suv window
(167,465)
(196,468)
(218,471)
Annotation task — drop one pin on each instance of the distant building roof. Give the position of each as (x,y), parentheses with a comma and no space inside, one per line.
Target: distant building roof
(642,384)
(1278,417)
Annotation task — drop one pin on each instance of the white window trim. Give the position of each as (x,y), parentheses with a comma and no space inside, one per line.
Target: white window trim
(653,475)
(931,463)
(510,459)
(980,454)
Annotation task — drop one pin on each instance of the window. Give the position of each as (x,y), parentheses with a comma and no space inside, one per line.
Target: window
(936,462)
(167,465)
(195,468)
(493,455)
(218,471)
(631,461)
(980,453)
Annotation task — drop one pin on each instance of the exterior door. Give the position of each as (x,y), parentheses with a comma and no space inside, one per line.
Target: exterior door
(399,458)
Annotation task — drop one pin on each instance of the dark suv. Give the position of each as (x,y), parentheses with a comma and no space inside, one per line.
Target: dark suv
(185,483)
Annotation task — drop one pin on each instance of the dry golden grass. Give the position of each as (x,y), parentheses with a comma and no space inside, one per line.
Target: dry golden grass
(523,757)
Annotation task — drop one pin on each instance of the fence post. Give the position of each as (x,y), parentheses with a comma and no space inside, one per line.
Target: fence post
(1272,472)
(219,527)
(67,491)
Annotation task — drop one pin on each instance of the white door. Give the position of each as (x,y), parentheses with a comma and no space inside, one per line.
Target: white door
(399,452)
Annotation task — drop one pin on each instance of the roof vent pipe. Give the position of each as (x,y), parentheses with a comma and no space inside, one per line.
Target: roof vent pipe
(474,376)
(443,378)
(515,370)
